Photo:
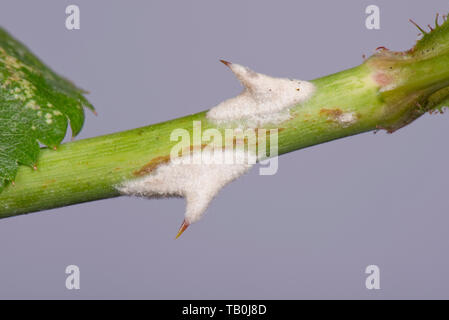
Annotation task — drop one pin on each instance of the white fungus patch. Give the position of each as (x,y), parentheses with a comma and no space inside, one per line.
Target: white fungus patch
(264,99)
(347,118)
(198,182)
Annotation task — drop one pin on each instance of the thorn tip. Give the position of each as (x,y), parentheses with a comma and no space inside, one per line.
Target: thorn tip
(183,227)
(226,63)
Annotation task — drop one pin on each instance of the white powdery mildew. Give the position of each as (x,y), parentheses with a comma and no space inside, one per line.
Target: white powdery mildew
(264,100)
(347,118)
(198,183)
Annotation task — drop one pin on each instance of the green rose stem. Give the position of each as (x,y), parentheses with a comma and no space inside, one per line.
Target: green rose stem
(387,91)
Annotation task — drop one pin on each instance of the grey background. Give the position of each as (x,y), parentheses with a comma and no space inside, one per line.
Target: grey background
(307,232)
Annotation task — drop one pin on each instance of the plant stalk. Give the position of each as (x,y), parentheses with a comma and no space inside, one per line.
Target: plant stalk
(388,91)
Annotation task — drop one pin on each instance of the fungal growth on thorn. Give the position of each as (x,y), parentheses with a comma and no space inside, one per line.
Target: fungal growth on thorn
(198,182)
(264,100)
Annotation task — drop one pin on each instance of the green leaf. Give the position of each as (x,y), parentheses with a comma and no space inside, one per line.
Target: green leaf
(36,105)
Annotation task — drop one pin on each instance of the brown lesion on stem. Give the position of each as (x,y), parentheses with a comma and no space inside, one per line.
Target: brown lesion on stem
(157,161)
(151,166)
(331,113)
